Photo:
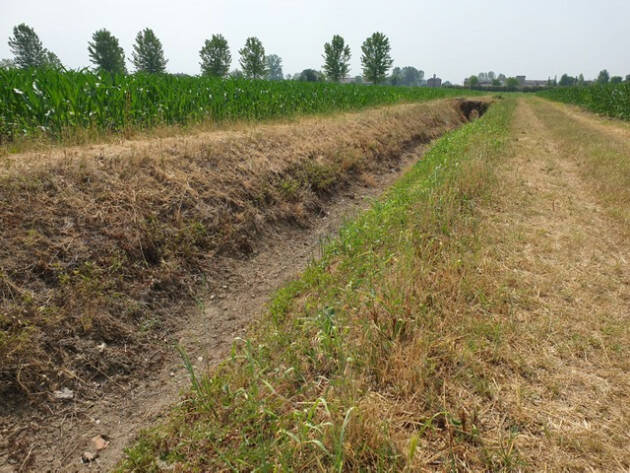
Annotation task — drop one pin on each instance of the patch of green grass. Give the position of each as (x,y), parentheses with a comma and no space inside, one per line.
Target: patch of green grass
(359,364)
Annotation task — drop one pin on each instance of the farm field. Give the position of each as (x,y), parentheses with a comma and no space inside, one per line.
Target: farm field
(474,317)
(606,99)
(75,106)
(284,236)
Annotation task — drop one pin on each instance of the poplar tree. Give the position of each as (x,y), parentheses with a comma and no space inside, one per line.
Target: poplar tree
(106,53)
(215,56)
(29,50)
(148,55)
(253,59)
(376,59)
(336,59)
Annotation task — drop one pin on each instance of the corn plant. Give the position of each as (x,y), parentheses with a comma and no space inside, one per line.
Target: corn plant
(608,99)
(57,103)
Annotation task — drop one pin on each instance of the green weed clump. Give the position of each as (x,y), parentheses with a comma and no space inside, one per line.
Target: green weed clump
(376,358)
(608,99)
(58,104)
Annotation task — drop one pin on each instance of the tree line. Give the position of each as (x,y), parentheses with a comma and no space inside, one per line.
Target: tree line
(603,78)
(512,83)
(147,56)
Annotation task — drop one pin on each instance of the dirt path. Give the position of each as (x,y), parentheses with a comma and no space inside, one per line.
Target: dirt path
(564,264)
(59,441)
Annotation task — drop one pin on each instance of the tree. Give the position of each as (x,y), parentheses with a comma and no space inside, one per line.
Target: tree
(215,56)
(496,83)
(502,77)
(396,77)
(106,53)
(603,77)
(236,74)
(616,80)
(7,64)
(376,59)
(253,59)
(336,59)
(273,64)
(310,75)
(407,76)
(412,77)
(512,83)
(567,81)
(51,60)
(148,55)
(581,79)
(29,50)
(473,81)
(628,78)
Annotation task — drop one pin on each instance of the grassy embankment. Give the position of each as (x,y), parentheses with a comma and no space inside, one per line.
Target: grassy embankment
(381,357)
(112,245)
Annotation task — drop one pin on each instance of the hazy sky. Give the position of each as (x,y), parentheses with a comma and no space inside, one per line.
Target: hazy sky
(454,39)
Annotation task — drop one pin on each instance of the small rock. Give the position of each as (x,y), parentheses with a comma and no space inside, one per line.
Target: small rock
(65,393)
(162,465)
(101,347)
(200,359)
(88,457)
(172,373)
(212,296)
(224,287)
(99,442)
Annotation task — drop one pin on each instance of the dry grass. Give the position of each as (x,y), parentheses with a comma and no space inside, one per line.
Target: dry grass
(110,243)
(474,320)
(601,148)
(377,358)
(559,261)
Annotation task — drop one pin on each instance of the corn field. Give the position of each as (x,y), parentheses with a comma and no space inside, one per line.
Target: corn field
(55,103)
(609,99)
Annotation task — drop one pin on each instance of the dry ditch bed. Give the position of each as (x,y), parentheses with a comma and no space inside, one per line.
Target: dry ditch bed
(108,246)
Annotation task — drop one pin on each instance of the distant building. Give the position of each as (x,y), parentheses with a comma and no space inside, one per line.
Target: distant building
(535,83)
(523,83)
(434,82)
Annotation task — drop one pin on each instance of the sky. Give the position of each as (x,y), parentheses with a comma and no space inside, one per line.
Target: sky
(453,39)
